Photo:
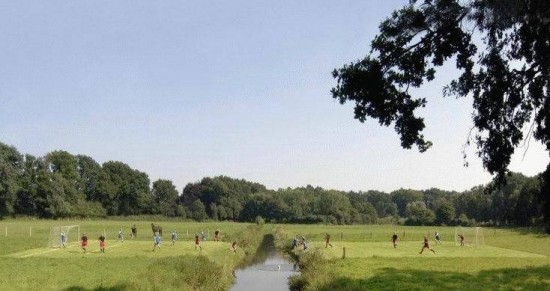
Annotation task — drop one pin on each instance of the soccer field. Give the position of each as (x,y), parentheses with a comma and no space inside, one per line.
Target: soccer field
(28,264)
(128,248)
(508,259)
(133,248)
(412,249)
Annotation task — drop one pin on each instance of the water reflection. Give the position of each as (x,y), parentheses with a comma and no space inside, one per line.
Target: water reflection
(267,271)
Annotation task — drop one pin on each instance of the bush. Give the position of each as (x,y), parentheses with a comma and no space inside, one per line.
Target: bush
(389,220)
(464,221)
(297,283)
(180,211)
(313,268)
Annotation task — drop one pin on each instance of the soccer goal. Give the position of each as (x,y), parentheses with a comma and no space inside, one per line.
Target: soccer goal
(473,236)
(72,233)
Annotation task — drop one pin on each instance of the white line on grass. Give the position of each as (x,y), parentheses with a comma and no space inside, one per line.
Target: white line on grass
(44,252)
(110,247)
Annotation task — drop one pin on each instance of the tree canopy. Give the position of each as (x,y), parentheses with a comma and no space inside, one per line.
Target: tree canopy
(502,51)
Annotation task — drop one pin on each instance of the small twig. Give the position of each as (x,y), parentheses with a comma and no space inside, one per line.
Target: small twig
(467,143)
(527,140)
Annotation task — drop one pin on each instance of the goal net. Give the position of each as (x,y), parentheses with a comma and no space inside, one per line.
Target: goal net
(70,232)
(473,236)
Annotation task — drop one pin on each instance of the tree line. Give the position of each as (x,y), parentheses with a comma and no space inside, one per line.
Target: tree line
(61,185)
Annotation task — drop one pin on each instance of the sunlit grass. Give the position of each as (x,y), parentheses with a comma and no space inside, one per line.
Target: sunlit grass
(412,249)
(27,264)
(510,259)
(128,248)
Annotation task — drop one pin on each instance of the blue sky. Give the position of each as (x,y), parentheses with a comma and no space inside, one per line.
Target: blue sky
(182,90)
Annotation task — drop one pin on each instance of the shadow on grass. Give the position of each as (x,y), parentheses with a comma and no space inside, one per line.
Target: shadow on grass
(539,232)
(113,288)
(531,278)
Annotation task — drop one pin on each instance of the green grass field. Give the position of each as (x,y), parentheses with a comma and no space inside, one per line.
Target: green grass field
(27,264)
(508,260)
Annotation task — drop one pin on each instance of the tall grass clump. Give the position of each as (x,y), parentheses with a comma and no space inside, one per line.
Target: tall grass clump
(183,273)
(314,268)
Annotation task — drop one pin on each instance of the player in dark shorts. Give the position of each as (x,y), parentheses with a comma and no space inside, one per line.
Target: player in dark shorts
(394,239)
(102,243)
(294,243)
(84,243)
(461,236)
(217,235)
(327,241)
(174,237)
(426,246)
(134,231)
(304,243)
(234,247)
(197,242)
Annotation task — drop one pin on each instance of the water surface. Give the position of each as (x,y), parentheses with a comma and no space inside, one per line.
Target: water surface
(268,271)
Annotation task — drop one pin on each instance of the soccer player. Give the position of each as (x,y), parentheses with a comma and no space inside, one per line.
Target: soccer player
(303,242)
(426,246)
(327,240)
(174,237)
(134,231)
(294,243)
(102,243)
(217,235)
(234,247)
(203,237)
(197,242)
(437,238)
(461,236)
(394,239)
(120,236)
(84,243)
(63,238)
(156,241)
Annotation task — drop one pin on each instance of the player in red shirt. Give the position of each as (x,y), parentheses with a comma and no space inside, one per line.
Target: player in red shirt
(197,242)
(426,246)
(102,243)
(327,241)
(394,239)
(461,236)
(217,235)
(84,244)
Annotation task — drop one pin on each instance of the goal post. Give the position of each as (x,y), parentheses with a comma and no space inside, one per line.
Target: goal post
(71,232)
(473,236)
(480,239)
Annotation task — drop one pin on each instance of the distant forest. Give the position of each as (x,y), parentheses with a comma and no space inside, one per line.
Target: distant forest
(62,185)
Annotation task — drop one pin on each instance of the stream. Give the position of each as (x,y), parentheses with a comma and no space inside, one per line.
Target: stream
(268,270)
